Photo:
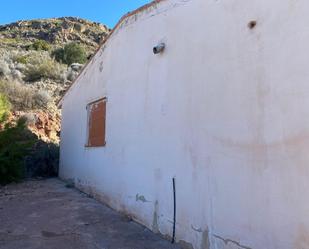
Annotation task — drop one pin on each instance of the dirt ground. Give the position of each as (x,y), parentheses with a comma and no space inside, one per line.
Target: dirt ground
(47,215)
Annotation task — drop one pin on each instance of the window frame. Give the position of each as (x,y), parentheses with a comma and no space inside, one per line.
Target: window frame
(87,143)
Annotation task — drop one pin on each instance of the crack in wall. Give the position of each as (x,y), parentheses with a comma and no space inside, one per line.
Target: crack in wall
(229,241)
(199,230)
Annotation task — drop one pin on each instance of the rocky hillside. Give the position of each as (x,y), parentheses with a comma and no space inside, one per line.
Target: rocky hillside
(56,31)
(39,59)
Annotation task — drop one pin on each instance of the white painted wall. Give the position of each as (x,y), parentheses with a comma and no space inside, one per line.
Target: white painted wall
(225,110)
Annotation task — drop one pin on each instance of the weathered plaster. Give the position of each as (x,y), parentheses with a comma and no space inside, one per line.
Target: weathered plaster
(227,242)
(223,110)
(140,198)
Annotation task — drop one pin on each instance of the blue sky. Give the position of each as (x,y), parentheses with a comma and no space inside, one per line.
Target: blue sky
(104,11)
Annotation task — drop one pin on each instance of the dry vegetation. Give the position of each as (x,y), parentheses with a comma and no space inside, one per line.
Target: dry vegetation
(39,59)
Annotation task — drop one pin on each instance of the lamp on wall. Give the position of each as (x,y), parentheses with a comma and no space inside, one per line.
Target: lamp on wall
(159,48)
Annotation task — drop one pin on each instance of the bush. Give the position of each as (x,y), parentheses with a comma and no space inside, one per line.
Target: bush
(40,45)
(4,107)
(29,118)
(4,69)
(41,99)
(15,143)
(73,71)
(20,96)
(71,53)
(23,97)
(43,67)
(43,161)
(22,59)
(58,55)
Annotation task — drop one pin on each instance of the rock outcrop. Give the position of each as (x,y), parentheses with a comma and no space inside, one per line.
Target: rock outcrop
(55,31)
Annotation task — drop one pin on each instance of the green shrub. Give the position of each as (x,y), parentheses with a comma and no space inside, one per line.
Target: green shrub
(58,55)
(58,23)
(22,59)
(43,161)
(71,53)
(4,107)
(29,118)
(43,67)
(23,155)
(23,97)
(10,41)
(40,45)
(15,143)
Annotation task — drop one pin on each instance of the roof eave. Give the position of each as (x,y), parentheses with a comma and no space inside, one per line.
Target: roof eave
(129,14)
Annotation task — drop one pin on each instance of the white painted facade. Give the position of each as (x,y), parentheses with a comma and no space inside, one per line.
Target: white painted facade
(224,110)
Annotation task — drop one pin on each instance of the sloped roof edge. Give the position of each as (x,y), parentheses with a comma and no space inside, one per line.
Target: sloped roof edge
(129,14)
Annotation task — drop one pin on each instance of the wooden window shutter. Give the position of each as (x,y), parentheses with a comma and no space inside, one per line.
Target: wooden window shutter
(97,123)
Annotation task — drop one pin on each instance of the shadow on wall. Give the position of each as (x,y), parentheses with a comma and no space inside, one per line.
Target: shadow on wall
(23,155)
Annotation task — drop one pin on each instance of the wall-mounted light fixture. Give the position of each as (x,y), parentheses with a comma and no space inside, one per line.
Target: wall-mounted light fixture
(159,48)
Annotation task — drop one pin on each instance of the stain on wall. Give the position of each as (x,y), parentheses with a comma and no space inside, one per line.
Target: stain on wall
(205,240)
(302,240)
(141,198)
(155,225)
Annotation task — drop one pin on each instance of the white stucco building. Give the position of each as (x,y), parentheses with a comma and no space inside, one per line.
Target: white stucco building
(224,110)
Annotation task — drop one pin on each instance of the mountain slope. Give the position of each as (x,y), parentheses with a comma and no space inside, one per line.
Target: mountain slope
(33,75)
(56,31)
